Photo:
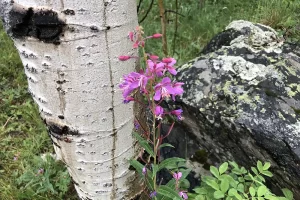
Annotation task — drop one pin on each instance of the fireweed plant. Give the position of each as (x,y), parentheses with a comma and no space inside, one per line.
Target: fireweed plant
(155,84)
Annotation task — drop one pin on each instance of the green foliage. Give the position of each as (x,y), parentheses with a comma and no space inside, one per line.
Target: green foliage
(53,179)
(231,182)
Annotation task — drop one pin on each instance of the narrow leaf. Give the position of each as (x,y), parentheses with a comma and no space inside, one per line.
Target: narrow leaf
(168,192)
(267,173)
(166,145)
(169,161)
(144,143)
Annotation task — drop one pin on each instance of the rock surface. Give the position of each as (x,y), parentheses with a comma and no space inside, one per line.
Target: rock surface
(242,103)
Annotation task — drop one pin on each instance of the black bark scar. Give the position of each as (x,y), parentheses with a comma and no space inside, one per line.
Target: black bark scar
(42,24)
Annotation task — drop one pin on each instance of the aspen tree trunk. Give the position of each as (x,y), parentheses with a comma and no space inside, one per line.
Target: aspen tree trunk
(70,51)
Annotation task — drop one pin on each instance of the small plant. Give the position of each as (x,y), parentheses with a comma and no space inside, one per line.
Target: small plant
(154,83)
(232,182)
(45,176)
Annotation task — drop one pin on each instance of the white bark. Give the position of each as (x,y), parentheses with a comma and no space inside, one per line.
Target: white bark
(75,85)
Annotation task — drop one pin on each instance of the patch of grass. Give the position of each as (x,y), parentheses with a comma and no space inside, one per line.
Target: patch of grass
(23,134)
(198,23)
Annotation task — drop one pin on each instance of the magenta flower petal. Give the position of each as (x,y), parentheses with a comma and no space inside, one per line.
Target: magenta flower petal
(177,176)
(183,195)
(153,194)
(159,111)
(157,95)
(171,70)
(144,170)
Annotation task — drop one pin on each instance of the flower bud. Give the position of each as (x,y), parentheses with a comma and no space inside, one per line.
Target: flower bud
(157,35)
(131,35)
(154,57)
(167,60)
(124,58)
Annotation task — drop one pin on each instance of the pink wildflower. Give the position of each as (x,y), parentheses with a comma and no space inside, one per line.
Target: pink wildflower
(177,176)
(159,111)
(177,89)
(163,89)
(131,82)
(177,113)
(169,63)
(183,195)
(155,68)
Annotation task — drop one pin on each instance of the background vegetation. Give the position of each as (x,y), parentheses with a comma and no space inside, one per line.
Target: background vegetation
(191,24)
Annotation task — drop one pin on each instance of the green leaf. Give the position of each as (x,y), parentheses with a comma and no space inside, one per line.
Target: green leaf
(270,197)
(243,170)
(240,188)
(287,193)
(233,183)
(252,191)
(241,179)
(184,184)
(213,184)
(144,143)
(261,178)
(236,171)
(214,171)
(169,162)
(254,170)
(224,185)
(168,192)
(223,167)
(266,166)
(234,165)
(260,166)
(267,173)
(218,194)
(200,190)
(166,145)
(233,192)
(262,190)
(139,167)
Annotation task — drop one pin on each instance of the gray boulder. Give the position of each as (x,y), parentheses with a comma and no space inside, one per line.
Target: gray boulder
(242,103)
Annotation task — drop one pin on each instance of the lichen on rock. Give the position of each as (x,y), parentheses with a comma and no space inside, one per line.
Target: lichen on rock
(242,101)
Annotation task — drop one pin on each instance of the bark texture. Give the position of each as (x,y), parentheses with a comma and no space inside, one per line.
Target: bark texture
(70,51)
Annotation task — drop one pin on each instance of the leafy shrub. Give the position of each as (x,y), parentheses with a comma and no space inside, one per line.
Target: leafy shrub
(232,182)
